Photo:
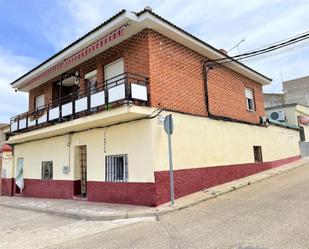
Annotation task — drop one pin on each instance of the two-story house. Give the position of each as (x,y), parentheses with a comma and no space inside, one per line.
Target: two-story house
(94,130)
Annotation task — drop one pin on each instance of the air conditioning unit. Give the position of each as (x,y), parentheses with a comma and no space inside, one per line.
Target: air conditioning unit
(277,115)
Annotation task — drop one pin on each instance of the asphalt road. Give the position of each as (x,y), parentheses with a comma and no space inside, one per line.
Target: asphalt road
(273,214)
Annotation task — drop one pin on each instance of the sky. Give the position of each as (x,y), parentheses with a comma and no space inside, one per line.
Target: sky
(33,30)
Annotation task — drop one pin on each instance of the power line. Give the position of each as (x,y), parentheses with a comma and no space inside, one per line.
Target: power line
(291,37)
(288,50)
(227,60)
(268,49)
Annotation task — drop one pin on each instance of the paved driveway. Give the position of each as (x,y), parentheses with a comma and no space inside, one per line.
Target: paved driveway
(273,214)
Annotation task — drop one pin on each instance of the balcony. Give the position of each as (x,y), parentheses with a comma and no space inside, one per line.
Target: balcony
(124,89)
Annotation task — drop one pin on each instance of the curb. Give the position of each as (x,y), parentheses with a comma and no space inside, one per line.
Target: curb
(164,209)
(82,216)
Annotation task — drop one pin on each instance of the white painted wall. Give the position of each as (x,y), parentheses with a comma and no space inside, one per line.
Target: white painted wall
(203,142)
(133,139)
(197,142)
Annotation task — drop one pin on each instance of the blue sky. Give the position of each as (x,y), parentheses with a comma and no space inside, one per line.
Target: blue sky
(33,30)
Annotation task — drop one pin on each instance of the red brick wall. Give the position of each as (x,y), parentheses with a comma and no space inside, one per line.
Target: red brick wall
(45,89)
(176,78)
(134,51)
(177,83)
(227,95)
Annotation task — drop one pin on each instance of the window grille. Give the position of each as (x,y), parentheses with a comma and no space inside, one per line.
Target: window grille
(83,168)
(257,150)
(47,170)
(116,168)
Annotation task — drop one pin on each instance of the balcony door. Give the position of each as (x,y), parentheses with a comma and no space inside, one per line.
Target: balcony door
(113,73)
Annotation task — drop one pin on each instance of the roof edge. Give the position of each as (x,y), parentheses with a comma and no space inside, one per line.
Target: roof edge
(203,42)
(71,44)
(264,78)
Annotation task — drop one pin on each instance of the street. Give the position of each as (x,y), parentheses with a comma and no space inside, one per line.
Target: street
(272,214)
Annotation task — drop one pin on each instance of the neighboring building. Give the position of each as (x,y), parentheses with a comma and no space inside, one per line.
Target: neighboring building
(4,133)
(273,99)
(93,127)
(4,136)
(294,92)
(297,91)
(292,114)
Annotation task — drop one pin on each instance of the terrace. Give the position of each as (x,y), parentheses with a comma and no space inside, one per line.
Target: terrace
(124,89)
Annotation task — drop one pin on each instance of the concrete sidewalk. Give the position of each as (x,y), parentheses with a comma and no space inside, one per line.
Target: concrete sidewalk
(106,211)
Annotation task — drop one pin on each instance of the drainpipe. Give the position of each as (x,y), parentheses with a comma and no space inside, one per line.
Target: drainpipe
(60,99)
(206,68)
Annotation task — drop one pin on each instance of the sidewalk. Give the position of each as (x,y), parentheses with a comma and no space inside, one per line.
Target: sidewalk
(106,211)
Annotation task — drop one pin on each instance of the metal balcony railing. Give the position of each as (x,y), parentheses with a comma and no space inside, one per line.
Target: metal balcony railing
(121,89)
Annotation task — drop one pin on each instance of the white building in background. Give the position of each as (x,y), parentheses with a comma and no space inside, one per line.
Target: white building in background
(295,91)
(295,115)
(4,132)
(273,99)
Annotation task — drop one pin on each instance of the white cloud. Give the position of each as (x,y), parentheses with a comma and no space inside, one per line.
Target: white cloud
(79,17)
(12,66)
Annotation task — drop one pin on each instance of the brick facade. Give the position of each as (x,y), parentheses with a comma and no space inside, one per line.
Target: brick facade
(176,78)
(134,51)
(227,95)
(177,83)
(46,89)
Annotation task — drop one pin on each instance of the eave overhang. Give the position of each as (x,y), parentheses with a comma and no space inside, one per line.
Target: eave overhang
(135,23)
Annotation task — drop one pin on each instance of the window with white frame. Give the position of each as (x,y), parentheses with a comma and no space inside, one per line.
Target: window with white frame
(47,170)
(39,102)
(114,73)
(116,168)
(249,99)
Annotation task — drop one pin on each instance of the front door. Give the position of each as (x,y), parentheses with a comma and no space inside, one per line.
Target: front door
(83,169)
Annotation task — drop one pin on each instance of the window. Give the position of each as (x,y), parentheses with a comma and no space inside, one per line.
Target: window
(91,79)
(257,150)
(39,102)
(249,99)
(114,73)
(116,168)
(47,170)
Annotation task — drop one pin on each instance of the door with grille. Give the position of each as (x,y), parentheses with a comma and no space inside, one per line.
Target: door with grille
(83,168)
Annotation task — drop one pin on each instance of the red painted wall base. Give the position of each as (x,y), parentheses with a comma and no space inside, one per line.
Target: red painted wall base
(189,181)
(122,192)
(60,189)
(148,194)
(7,186)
